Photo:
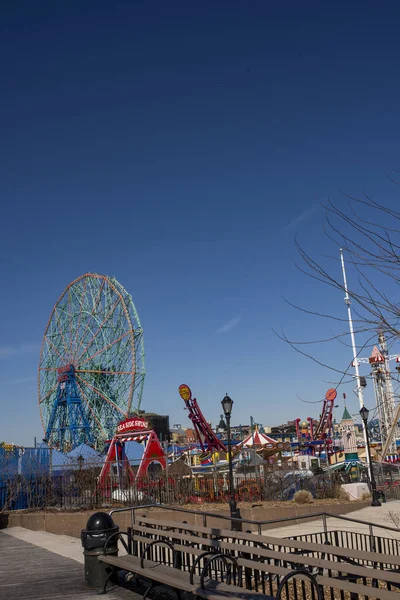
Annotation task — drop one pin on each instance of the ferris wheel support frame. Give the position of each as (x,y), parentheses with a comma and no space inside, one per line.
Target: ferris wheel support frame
(68,411)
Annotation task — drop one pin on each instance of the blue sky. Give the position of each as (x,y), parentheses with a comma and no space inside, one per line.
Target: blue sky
(180,147)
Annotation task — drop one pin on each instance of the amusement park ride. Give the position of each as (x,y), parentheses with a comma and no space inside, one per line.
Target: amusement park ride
(91,376)
(385,427)
(308,440)
(208,440)
(311,439)
(91,367)
(379,361)
(133,429)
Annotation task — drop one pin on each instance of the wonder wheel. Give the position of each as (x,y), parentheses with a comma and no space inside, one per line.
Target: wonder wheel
(91,368)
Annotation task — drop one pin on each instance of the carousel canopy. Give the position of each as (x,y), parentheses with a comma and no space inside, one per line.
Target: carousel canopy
(258,439)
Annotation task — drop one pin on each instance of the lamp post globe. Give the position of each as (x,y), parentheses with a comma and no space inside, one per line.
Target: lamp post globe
(364,412)
(227,404)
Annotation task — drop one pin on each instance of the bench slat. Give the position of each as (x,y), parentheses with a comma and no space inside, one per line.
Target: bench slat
(264,539)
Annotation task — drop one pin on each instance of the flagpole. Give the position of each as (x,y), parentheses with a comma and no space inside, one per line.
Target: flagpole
(359,390)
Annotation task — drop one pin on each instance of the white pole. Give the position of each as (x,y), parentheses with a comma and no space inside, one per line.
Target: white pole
(355,358)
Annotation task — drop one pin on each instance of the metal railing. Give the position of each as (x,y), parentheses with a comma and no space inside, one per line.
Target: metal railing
(257,525)
(353,540)
(274,566)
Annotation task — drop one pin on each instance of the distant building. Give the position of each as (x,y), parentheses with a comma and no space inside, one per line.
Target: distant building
(282,433)
(190,436)
(347,431)
(177,434)
(159,423)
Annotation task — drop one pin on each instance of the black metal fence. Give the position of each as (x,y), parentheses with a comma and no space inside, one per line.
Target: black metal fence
(39,486)
(354,540)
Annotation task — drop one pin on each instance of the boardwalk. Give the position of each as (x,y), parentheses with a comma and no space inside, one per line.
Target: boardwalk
(31,573)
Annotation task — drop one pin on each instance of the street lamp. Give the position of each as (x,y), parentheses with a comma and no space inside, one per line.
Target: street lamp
(364,412)
(227,404)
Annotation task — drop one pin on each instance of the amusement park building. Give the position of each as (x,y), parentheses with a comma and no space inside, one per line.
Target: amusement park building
(285,432)
(159,424)
(177,434)
(182,435)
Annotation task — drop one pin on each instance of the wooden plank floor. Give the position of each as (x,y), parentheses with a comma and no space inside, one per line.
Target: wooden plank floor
(28,572)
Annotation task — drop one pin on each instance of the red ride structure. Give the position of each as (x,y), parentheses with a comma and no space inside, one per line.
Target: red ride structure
(132,429)
(323,431)
(207,438)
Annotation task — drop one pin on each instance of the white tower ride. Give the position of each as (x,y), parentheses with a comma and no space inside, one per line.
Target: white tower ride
(384,395)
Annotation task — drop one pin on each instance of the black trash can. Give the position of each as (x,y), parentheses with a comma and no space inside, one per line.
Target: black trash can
(99,529)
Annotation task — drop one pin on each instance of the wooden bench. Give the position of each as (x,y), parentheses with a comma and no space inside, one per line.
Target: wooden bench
(180,581)
(267,561)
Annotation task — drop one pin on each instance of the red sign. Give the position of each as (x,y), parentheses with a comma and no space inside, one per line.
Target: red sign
(132,424)
(331,394)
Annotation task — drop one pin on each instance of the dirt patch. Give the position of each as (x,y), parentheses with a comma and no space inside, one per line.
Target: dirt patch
(200,506)
(209,506)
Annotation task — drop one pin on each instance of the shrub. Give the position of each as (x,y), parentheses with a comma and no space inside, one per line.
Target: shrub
(341,494)
(365,496)
(303,497)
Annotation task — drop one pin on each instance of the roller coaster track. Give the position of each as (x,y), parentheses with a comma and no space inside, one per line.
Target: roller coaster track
(324,428)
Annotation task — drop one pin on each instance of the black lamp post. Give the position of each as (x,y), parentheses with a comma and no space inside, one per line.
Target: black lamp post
(364,412)
(227,404)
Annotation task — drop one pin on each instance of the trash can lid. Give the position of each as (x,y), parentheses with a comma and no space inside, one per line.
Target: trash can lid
(100,521)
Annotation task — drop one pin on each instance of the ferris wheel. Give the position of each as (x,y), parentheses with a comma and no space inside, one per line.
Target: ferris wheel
(91,367)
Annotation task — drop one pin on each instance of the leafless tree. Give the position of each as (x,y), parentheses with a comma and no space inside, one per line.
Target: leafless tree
(369,234)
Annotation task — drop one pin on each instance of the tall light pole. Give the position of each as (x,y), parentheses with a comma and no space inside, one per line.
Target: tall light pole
(227,404)
(347,301)
(364,416)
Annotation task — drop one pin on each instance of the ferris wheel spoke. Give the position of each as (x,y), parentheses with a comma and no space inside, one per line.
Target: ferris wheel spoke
(61,332)
(106,347)
(136,385)
(91,314)
(100,328)
(55,349)
(110,402)
(80,313)
(70,320)
(109,384)
(90,408)
(48,394)
(104,372)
